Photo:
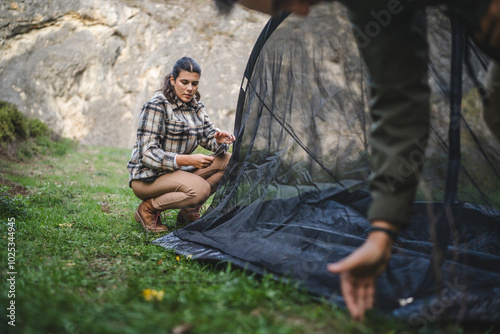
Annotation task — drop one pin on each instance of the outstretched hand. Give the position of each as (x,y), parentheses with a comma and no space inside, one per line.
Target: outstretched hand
(224,137)
(359,271)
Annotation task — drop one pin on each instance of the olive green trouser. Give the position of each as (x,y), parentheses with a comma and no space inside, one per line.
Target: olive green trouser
(396,55)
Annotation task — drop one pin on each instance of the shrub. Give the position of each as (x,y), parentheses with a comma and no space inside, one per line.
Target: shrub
(37,128)
(12,205)
(23,138)
(13,123)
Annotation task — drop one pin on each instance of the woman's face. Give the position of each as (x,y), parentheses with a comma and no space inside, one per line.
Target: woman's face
(186,85)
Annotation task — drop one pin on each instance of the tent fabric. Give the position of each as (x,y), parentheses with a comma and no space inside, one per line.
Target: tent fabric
(295,194)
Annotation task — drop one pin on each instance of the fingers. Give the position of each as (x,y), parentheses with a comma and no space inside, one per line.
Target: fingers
(369,294)
(358,273)
(350,293)
(224,137)
(203,161)
(358,294)
(208,160)
(366,293)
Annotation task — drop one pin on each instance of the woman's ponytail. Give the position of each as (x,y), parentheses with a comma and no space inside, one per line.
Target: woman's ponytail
(168,89)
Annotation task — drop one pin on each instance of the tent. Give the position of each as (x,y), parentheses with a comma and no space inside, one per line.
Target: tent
(294,197)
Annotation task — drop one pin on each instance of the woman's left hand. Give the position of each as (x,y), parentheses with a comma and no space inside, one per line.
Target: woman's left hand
(224,137)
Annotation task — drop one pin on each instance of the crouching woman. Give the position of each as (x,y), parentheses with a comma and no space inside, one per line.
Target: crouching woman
(163,172)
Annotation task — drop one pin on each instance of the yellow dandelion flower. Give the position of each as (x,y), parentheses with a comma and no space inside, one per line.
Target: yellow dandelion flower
(159,295)
(148,294)
(177,258)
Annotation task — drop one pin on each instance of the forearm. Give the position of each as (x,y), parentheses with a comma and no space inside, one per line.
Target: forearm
(183,160)
(156,158)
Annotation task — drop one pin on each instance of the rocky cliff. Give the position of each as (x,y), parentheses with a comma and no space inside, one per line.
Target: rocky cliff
(85,67)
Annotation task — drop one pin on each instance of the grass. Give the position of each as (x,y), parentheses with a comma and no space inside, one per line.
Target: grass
(85,266)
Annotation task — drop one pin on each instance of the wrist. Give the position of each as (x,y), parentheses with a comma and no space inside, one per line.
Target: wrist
(182,160)
(382,233)
(384,224)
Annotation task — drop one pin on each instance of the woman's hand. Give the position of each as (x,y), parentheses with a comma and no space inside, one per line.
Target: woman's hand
(196,160)
(224,137)
(359,271)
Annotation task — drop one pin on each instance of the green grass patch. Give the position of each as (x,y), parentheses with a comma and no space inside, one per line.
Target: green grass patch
(85,266)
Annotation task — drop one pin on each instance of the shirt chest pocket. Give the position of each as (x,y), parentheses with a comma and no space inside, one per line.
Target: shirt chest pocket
(176,128)
(179,138)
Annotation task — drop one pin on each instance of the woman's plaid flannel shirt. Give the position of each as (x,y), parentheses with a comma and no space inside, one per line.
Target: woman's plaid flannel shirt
(166,130)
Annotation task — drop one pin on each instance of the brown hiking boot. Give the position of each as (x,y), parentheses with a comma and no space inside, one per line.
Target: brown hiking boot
(149,217)
(188,215)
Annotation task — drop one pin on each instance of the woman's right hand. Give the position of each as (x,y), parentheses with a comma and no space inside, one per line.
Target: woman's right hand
(196,160)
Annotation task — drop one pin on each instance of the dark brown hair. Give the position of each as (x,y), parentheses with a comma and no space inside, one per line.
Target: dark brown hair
(184,64)
(224,6)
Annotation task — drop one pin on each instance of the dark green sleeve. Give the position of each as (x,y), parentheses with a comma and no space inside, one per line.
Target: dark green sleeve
(397,61)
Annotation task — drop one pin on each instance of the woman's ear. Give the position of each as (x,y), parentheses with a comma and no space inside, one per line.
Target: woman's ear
(172,81)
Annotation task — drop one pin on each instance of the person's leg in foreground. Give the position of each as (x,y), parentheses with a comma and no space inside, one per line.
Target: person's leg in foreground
(397,63)
(360,270)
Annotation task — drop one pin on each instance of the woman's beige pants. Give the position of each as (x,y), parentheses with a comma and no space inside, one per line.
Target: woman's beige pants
(182,189)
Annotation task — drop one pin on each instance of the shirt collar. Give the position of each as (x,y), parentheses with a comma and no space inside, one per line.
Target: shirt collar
(179,103)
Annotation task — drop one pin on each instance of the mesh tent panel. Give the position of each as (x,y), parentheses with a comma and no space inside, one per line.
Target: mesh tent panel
(294,196)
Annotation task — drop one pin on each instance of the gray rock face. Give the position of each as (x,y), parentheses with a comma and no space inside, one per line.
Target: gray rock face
(86,67)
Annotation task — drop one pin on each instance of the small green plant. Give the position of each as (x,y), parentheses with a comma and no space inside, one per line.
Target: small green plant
(15,126)
(13,123)
(12,205)
(37,128)
(25,138)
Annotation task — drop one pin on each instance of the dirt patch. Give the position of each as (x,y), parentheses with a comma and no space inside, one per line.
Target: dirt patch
(15,188)
(8,152)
